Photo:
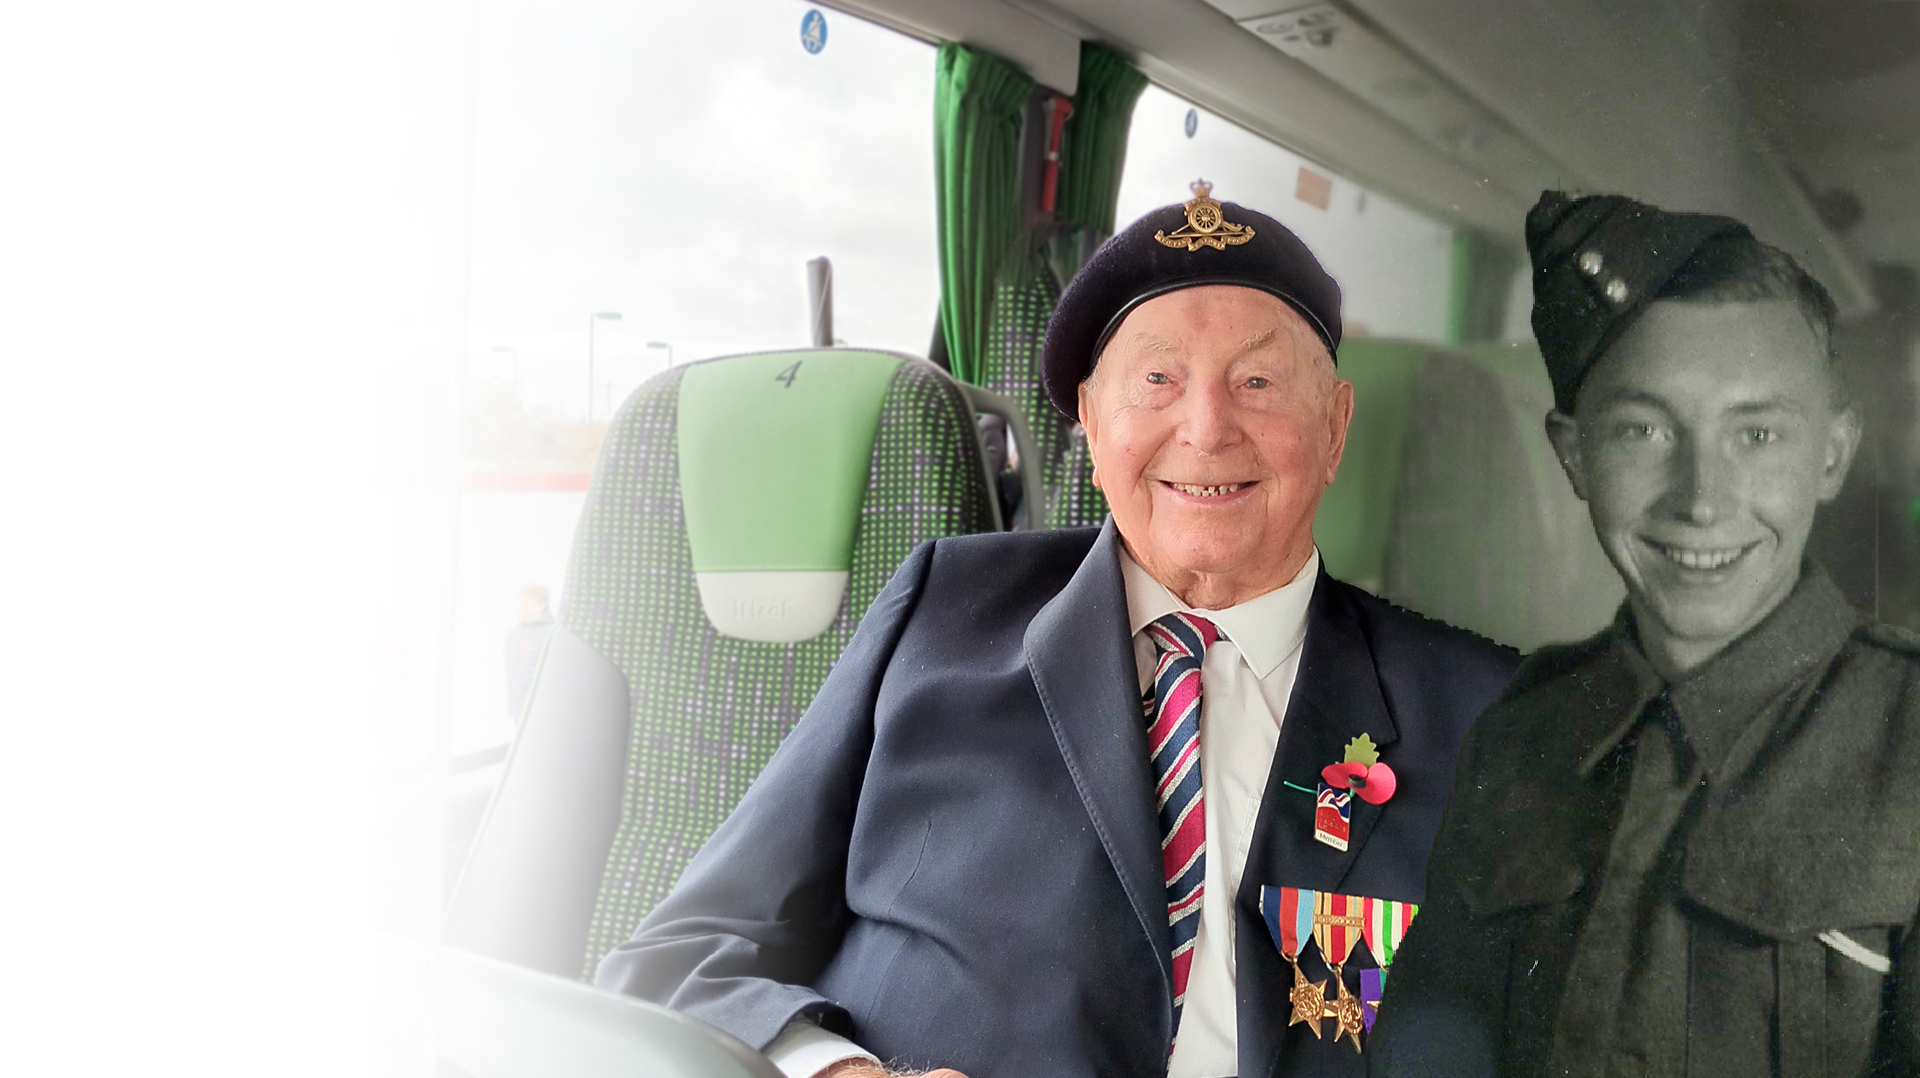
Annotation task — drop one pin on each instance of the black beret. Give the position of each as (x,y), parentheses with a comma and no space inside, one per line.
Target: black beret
(1597,263)
(1174,247)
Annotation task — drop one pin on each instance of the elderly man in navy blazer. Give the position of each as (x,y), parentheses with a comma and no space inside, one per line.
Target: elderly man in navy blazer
(1153,798)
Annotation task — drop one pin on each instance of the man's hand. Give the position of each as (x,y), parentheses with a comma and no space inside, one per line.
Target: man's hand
(867,1068)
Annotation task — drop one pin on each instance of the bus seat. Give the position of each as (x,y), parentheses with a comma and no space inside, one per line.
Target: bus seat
(1023,301)
(754,491)
(1073,500)
(1489,534)
(1450,501)
(1357,510)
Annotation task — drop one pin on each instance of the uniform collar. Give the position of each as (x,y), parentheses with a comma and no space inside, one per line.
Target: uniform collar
(1724,697)
(1266,629)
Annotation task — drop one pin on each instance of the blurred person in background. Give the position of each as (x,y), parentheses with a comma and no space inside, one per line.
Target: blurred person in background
(524,644)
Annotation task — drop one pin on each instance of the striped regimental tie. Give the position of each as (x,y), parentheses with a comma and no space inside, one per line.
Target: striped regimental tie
(1173,741)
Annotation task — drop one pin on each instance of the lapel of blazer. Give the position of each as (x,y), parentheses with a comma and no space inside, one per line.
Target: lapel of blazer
(1081,657)
(1336,698)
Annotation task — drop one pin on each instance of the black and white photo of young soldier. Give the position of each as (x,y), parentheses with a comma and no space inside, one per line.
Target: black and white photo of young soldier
(1689,845)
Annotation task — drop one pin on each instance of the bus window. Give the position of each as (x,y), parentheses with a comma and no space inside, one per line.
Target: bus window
(1394,264)
(649,183)
(678,165)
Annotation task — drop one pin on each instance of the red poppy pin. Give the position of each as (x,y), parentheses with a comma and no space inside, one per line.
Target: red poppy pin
(1362,772)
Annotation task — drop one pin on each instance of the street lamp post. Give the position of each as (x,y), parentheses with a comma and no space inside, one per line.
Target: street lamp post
(665,345)
(592,321)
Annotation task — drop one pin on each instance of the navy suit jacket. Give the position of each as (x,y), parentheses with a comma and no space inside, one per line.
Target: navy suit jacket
(955,859)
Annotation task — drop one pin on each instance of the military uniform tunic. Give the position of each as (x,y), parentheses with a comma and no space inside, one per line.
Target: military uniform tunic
(1717,876)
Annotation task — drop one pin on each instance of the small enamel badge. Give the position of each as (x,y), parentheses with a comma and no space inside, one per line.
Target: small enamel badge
(1332,816)
(1205,226)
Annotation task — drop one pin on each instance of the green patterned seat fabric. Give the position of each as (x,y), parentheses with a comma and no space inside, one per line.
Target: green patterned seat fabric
(1023,301)
(1449,500)
(708,710)
(1486,532)
(1357,513)
(1076,502)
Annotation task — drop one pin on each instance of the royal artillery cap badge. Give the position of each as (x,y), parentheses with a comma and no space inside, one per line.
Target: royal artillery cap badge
(1205,226)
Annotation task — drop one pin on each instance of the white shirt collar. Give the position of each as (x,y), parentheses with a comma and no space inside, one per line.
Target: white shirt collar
(1266,628)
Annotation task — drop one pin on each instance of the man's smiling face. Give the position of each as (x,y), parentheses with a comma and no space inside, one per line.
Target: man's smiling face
(1702,442)
(1215,420)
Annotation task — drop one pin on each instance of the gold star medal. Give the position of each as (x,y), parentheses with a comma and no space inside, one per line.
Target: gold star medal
(1206,226)
(1337,924)
(1288,912)
(1346,1012)
(1309,1000)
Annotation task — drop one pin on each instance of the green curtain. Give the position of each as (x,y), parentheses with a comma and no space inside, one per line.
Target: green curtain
(978,99)
(998,285)
(1093,147)
(1093,154)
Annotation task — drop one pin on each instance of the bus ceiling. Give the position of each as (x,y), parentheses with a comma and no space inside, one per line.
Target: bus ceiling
(1791,114)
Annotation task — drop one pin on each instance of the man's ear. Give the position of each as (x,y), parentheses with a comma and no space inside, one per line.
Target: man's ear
(1090,423)
(1340,418)
(1843,441)
(1564,432)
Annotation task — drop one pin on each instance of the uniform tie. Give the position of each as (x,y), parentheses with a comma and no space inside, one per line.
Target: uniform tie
(1173,744)
(1623,1004)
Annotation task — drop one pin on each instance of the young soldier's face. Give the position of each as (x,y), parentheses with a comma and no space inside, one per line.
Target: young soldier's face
(1702,442)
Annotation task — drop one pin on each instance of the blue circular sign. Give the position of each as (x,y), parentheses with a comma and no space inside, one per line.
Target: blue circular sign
(813,31)
(1193,121)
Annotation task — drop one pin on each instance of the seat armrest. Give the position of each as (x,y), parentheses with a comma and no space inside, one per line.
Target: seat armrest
(528,890)
(1030,483)
(497,1020)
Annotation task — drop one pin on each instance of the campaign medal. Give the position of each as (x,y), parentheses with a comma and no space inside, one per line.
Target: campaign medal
(1383,924)
(1338,924)
(1288,912)
(1372,983)
(1348,1014)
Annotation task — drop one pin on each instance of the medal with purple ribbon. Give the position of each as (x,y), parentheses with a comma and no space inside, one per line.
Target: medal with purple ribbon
(1372,983)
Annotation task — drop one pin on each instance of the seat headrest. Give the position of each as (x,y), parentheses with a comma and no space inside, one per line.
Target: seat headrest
(775,450)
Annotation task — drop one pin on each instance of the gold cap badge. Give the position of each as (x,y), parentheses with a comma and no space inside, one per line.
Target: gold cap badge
(1205,226)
